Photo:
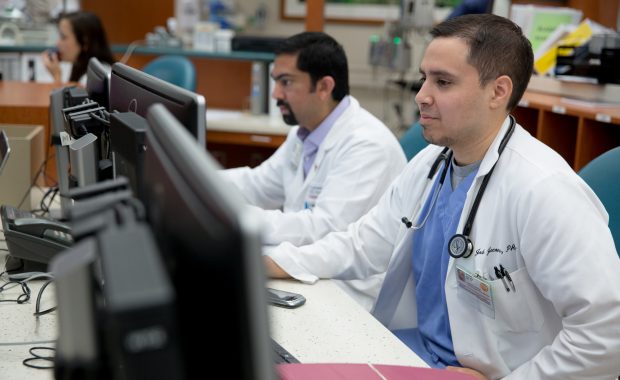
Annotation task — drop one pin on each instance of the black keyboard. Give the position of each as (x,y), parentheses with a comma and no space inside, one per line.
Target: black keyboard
(282,355)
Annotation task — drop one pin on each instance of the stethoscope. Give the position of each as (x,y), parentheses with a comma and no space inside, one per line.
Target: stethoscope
(460,245)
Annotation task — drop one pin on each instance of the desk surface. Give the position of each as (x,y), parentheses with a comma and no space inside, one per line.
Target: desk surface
(244,122)
(26,94)
(19,325)
(332,327)
(329,327)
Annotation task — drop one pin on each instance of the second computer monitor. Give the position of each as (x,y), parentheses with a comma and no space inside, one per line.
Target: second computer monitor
(212,251)
(98,82)
(135,91)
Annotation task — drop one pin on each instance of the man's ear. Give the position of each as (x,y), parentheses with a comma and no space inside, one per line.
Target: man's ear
(502,90)
(325,87)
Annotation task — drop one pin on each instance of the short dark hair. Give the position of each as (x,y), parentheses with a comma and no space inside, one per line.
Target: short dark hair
(497,47)
(319,55)
(92,39)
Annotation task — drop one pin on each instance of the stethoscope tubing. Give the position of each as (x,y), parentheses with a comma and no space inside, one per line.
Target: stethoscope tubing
(462,246)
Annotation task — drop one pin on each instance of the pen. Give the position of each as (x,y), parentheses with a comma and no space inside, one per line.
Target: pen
(507,275)
(500,276)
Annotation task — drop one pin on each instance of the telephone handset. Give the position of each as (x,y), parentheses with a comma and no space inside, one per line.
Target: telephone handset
(44,228)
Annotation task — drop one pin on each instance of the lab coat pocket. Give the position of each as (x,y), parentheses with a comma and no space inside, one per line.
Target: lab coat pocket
(517,310)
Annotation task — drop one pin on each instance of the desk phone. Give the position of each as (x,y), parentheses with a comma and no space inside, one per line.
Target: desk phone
(33,237)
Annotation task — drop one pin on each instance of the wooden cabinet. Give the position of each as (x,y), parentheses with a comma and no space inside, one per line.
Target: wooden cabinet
(577,131)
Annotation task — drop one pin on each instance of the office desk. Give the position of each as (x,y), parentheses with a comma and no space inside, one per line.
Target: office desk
(237,138)
(332,327)
(28,103)
(19,325)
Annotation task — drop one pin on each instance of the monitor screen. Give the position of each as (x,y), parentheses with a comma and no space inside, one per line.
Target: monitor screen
(98,82)
(212,251)
(135,91)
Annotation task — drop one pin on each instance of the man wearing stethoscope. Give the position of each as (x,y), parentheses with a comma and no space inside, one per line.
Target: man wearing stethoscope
(498,259)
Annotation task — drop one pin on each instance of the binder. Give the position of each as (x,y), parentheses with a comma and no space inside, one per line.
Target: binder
(349,371)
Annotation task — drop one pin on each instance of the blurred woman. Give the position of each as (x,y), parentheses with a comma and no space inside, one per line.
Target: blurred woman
(81,36)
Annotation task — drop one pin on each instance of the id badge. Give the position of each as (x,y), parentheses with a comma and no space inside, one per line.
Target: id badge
(312,195)
(476,291)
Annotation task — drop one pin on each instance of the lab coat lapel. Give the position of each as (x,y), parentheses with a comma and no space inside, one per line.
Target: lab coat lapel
(332,138)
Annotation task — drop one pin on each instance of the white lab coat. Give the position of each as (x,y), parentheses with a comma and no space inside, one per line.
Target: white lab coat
(563,320)
(355,163)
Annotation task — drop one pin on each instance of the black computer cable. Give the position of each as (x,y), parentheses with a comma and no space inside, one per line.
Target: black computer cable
(45,360)
(45,203)
(38,312)
(22,298)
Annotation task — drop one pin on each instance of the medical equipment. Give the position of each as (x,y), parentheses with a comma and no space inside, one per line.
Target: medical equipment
(460,245)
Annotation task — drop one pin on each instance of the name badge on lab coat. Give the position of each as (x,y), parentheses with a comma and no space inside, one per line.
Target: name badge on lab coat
(312,195)
(476,291)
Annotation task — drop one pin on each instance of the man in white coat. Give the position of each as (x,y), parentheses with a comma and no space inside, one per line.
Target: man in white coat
(518,284)
(335,163)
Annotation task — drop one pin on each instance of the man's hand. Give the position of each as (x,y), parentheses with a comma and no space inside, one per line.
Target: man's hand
(468,371)
(273,269)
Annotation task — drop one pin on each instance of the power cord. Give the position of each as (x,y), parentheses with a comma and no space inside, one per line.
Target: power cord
(132,46)
(39,357)
(38,312)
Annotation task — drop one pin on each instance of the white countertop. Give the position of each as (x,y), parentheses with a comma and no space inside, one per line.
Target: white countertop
(245,122)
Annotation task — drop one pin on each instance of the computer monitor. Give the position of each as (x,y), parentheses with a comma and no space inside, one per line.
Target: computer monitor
(135,91)
(128,134)
(5,149)
(98,82)
(212,251)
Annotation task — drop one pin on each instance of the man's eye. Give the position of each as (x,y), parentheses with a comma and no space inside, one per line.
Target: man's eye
(442,83)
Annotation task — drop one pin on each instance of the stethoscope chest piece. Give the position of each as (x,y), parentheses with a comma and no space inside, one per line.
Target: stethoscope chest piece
(460,246)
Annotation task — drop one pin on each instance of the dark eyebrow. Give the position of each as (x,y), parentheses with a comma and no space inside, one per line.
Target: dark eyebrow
(438,73)
(277,78)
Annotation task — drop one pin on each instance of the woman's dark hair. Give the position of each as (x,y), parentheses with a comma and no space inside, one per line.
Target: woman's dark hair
(92,39)
(497,47)
(319,55)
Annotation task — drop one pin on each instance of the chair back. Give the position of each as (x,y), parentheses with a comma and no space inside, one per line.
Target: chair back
(176,69)
(412,141)
(603,175)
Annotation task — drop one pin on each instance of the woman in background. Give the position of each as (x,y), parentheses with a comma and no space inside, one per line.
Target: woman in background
(81,36)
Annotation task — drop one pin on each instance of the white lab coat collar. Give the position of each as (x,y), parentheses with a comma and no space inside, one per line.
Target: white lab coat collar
(492,155)
(333,137)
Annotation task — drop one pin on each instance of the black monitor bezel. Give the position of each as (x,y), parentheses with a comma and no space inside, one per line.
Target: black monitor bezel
(211,248)
(98,82)
(188,107)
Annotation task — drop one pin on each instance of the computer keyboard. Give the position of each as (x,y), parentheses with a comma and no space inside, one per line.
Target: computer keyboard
(282,355)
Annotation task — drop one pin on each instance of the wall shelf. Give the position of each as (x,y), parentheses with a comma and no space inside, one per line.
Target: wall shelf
(579,132)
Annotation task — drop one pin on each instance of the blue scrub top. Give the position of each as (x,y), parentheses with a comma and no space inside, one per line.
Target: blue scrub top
(430,266)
